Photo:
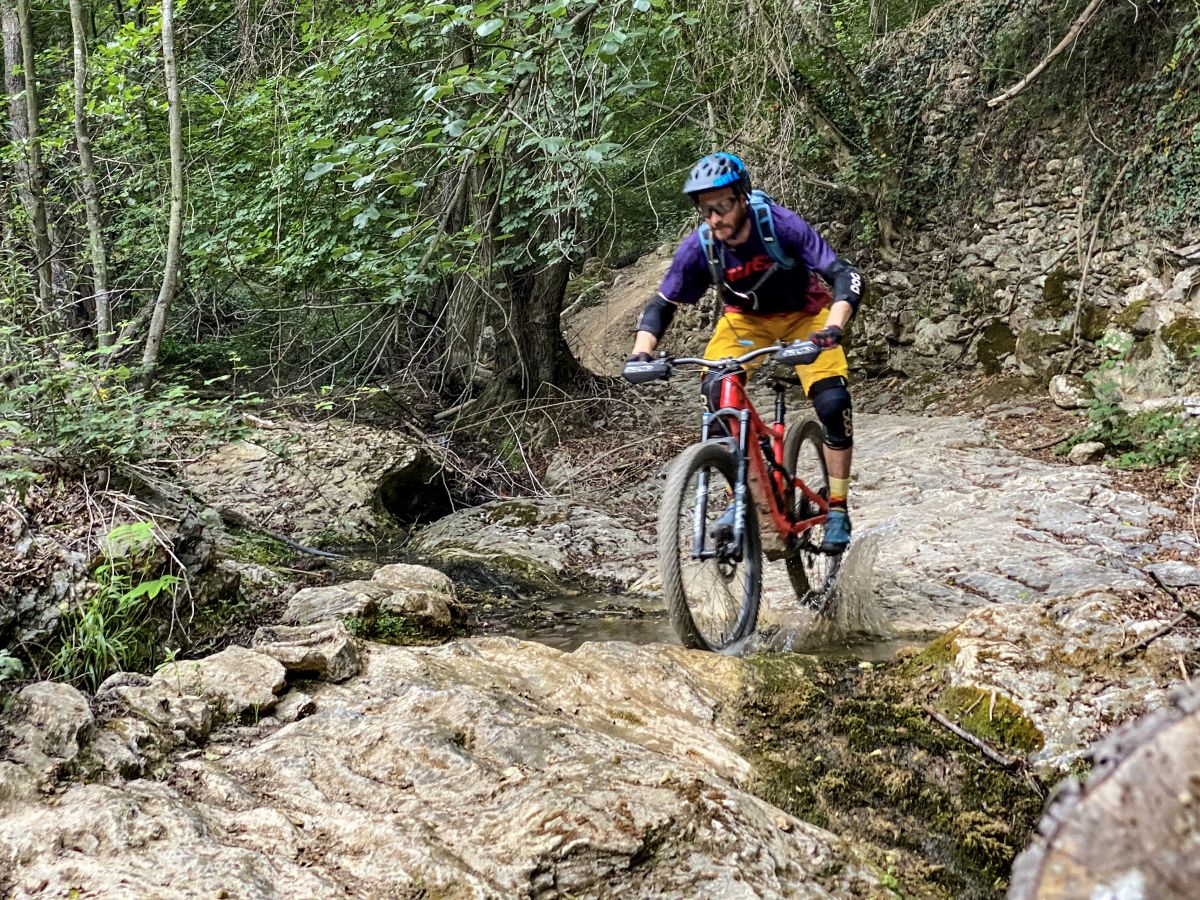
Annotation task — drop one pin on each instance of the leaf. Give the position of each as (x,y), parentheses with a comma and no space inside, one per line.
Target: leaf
(489,27)
(317,170)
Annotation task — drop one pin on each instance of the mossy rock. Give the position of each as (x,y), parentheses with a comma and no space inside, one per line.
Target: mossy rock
(851,750)
(996,342)
(992,717)
(1056,299)
(1182,337)
(1129,316)
(1093,322)
(387,627)
(1036,348)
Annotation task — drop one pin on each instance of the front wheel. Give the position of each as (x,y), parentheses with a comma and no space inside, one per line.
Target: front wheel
(711,586)
(811,572)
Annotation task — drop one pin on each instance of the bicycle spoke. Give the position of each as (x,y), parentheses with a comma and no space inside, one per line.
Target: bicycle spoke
(713,593)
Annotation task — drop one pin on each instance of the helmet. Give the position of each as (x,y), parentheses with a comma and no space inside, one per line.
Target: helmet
(718,170)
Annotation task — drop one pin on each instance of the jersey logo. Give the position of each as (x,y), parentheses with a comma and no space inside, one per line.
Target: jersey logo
(760,263)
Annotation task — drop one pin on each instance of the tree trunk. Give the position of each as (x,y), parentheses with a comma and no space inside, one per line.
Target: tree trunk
(158,321)
(532,351)
(26,133)
(91,195)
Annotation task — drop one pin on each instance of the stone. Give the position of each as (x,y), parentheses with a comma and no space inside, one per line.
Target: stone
(1176,573)
(322,481)
(44,727)
(324,649)
(350,600)
(1131,830)
(234,681)
(1069,392)
(1087,452)
(488,767)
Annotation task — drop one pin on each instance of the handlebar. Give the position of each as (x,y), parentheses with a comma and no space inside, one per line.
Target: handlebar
(797,353)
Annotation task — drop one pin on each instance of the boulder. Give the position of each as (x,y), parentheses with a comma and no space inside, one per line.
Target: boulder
(234,681)
(1069,392)
(323,649)
(44,727)
(1087,452)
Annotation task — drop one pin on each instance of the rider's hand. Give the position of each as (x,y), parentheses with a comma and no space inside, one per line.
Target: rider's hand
(641,367)
(829,336)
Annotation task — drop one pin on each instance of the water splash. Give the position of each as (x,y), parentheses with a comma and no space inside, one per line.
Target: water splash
(850,621)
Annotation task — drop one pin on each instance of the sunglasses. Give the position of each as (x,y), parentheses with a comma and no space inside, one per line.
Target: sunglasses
(720,207)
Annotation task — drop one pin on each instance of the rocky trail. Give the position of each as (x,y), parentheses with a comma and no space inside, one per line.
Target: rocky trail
(598,760)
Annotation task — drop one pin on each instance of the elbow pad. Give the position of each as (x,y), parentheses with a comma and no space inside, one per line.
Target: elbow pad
(847,282)
(656,316)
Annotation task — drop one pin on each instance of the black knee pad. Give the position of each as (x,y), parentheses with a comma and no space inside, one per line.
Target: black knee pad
(831,400)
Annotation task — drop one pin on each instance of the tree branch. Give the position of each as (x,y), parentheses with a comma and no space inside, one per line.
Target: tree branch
(1072,33)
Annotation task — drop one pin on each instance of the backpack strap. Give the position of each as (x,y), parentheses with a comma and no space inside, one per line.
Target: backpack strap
(715,271)
(764,221)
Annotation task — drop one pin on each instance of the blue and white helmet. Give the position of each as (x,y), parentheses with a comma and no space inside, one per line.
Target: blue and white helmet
(718,170)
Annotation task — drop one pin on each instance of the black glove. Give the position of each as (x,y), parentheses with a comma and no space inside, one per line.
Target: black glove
(829,336)
(642,367)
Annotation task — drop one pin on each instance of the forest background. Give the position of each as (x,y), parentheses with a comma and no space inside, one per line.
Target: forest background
(208,204)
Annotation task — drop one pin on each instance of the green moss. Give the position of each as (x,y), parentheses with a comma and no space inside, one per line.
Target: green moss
(992,717)
(1055,296)
(249,545)
(514,513)
(996,342)
(1182,337)
(852,751)
(386,627)
(1093,322)
(1129,316)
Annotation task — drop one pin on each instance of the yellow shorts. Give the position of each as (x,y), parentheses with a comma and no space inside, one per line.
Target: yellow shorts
(734,329)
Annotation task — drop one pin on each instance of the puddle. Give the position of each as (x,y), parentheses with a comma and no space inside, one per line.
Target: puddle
(567,622)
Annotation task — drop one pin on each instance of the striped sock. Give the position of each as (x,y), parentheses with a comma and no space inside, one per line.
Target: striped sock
(839,489)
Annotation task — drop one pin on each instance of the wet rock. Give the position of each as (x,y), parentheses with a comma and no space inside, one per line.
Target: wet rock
(541,540)
(963,523)
(422,596)
(324,649)
(489,767)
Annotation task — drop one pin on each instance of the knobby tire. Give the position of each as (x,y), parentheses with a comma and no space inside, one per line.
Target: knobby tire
(811,572)
(713,603)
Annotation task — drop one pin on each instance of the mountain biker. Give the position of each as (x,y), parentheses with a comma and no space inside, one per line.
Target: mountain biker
(764,303)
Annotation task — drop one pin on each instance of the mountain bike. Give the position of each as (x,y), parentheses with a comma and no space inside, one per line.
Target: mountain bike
(711,566)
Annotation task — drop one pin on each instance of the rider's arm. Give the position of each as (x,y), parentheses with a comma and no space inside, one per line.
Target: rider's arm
(685,282)
(801,239)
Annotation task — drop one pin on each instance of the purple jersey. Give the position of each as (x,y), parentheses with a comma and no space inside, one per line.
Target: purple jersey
(785,290)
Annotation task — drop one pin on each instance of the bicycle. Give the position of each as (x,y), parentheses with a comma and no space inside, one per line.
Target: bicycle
(712,578)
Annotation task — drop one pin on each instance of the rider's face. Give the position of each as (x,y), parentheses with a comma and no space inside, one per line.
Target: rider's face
(724,211)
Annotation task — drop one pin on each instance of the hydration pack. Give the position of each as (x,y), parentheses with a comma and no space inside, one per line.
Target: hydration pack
(760,212)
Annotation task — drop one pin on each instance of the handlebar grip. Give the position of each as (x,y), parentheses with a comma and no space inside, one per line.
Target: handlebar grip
(799,353)
(642,372)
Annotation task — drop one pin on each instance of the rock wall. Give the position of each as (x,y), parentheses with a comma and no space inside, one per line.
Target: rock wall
(1032,284)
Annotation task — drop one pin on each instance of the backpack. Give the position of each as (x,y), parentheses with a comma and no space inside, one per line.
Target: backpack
(760,211)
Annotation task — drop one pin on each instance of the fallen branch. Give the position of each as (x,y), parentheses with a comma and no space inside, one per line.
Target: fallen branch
(1046,445)
(1189,612)
(232,517)
(1072,33)
(1005,762)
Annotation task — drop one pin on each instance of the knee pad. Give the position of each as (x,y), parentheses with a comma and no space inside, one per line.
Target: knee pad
(831,400)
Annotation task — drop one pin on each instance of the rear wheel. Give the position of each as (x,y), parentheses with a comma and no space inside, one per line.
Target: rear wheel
(713,599)
(812,572)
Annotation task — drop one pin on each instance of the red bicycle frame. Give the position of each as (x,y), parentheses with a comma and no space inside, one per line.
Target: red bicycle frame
(768,485)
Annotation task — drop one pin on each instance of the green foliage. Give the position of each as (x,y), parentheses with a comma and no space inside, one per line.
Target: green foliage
(11,668)
(1144,439)
(114,628)
(79,412)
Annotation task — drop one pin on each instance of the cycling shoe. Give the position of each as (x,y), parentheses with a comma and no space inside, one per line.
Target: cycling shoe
(837,531)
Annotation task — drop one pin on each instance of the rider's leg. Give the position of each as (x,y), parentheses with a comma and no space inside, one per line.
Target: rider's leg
(831,400)
(825,382)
